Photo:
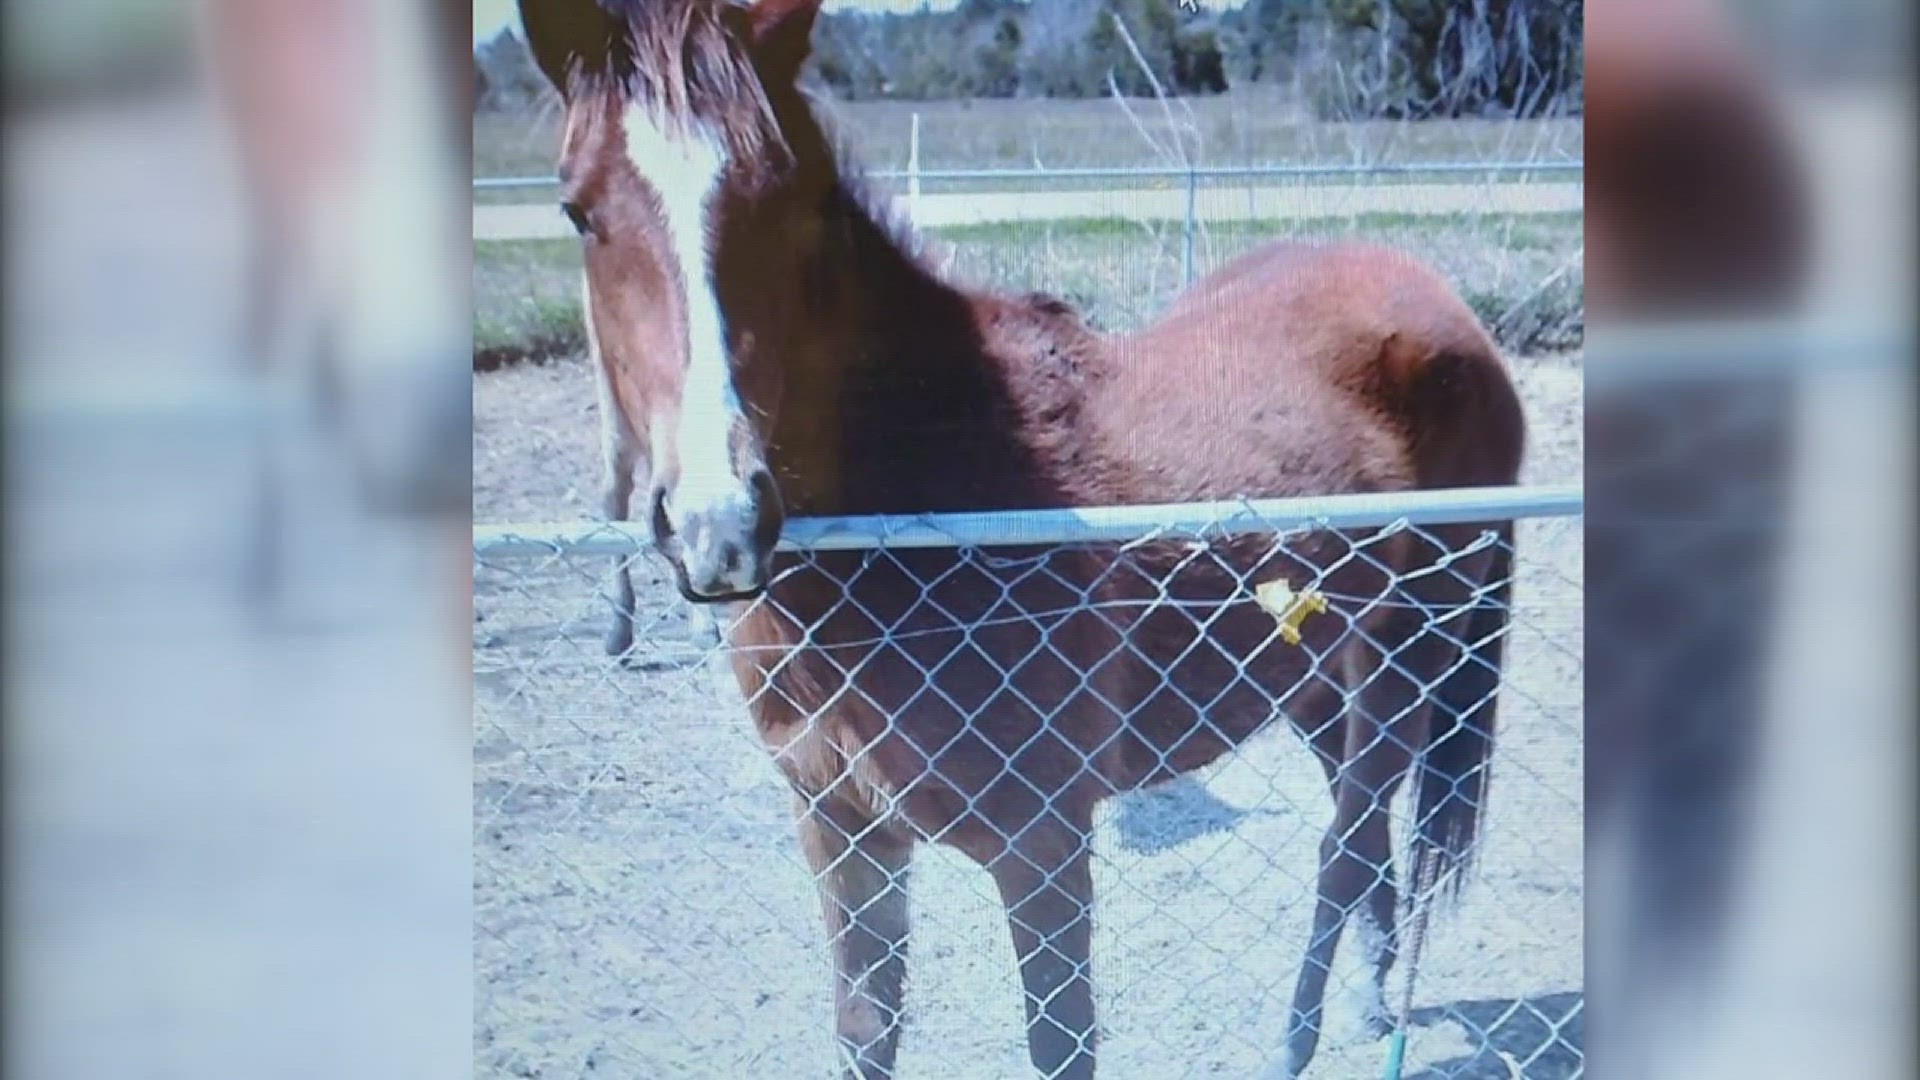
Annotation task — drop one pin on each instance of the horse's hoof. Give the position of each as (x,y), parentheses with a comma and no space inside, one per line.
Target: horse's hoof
(1297,1052)
(619,645)
(1377,1026)
(1284,1069)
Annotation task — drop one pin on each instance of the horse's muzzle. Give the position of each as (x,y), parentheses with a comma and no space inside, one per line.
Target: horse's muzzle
(721,549)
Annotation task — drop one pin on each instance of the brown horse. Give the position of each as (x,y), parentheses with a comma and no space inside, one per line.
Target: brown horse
(776,347)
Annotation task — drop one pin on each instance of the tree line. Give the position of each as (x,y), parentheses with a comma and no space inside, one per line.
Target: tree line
(1399,59)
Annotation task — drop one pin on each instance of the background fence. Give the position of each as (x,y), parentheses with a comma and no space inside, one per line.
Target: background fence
(1044,179)
(643,908)
(1120,242)
(1194,216)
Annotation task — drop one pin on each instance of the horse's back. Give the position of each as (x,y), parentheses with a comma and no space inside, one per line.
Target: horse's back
(1304,369)
(1321,308)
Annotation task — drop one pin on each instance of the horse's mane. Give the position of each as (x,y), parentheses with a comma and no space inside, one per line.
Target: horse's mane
(678,59)
(857,185)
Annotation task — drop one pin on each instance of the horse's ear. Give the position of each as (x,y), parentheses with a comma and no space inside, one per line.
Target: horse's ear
(564,33)
(781,34)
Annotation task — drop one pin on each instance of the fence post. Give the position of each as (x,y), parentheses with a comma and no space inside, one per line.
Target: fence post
(913,169)
(1186,257)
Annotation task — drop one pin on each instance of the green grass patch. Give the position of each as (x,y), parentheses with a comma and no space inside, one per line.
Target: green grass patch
(526,301)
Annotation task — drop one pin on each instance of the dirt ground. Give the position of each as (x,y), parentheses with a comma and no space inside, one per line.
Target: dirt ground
(641,909)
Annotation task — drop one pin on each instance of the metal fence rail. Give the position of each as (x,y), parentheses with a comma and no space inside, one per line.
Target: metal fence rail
(1022,177)
(1109,524)
(643,906)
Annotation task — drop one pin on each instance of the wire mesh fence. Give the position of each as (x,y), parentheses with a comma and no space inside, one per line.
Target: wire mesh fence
(954,691)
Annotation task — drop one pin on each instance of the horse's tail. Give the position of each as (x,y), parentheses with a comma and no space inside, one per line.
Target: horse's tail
(1451,789)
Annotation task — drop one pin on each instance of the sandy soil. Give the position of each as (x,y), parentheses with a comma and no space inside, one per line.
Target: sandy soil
(641,909)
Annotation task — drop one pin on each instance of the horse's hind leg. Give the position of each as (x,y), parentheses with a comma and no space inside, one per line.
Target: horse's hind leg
(1045,879)
(861,869)
(1383,724)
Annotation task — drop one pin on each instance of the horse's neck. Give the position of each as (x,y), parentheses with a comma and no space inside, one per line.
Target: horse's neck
(894,404)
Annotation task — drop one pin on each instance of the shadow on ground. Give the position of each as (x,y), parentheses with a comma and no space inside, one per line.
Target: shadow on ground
(1164,816)
(1534,1038)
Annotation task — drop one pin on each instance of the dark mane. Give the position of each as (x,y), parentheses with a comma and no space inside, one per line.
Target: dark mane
(680,59)
(912,409)
(929,400)
(688,63)
(864,193)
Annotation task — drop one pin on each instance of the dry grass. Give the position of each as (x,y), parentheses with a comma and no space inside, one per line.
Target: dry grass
(526,301)
(1242,128)
(1119,272)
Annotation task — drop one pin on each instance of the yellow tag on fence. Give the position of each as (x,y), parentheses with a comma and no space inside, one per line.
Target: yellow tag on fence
(1289,607)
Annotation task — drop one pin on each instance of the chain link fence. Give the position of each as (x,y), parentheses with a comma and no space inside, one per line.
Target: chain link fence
(643,907)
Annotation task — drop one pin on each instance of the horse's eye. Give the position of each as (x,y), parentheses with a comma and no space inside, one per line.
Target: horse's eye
(578,217)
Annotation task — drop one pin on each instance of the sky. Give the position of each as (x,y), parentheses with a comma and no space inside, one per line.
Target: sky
(490,15)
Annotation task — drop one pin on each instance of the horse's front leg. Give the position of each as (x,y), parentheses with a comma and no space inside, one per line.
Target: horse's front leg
(861,870)
(616,501)
(1046,882)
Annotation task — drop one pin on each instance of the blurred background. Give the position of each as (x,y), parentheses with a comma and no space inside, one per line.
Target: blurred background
(1749,420)
(236,457)
(237,742)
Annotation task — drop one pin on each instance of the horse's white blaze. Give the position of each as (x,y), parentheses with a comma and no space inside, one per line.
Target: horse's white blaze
(686,171)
